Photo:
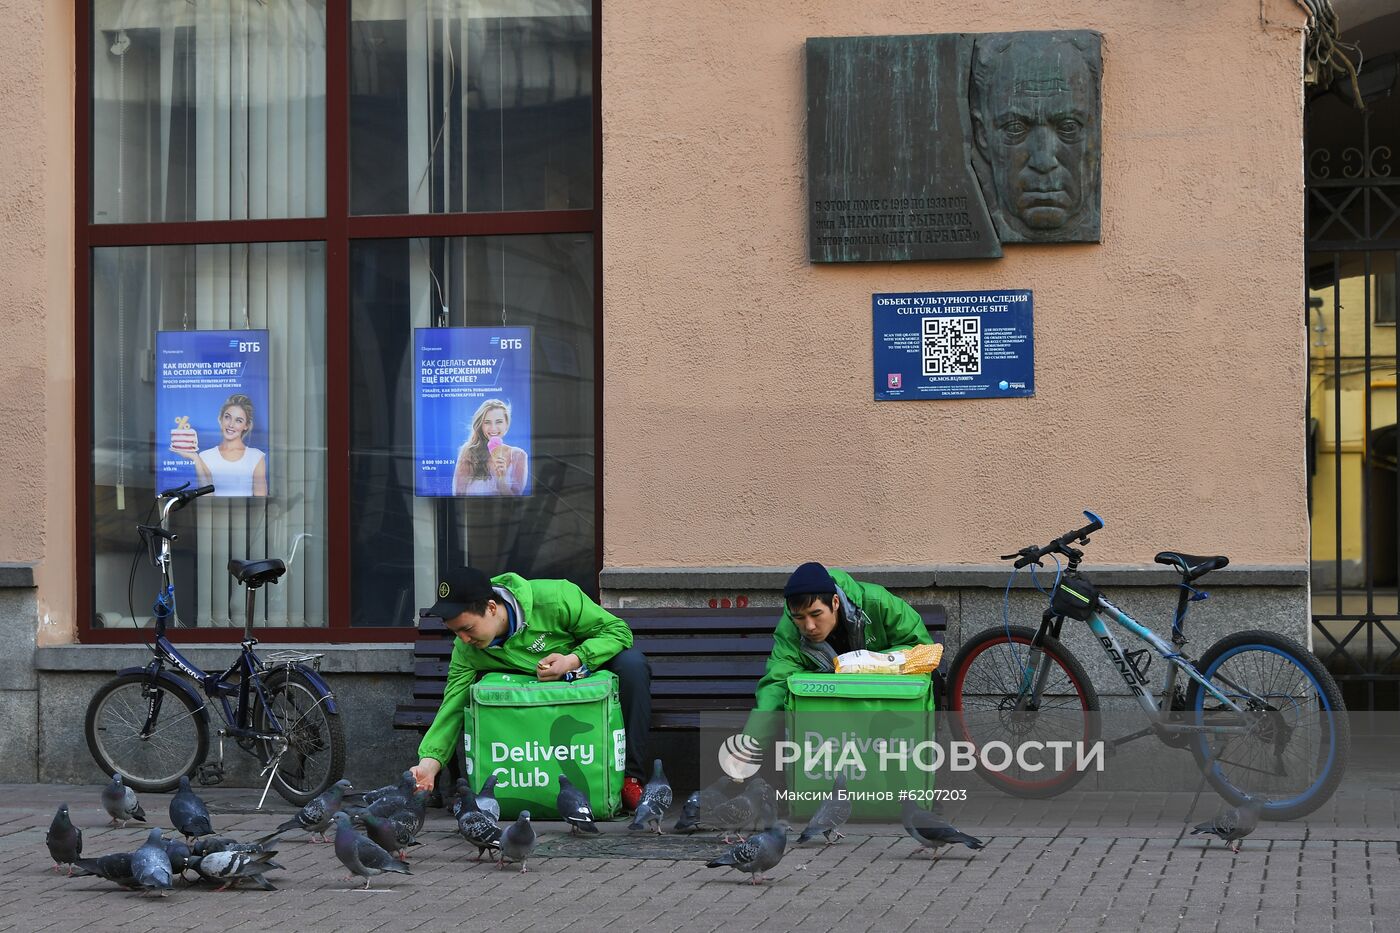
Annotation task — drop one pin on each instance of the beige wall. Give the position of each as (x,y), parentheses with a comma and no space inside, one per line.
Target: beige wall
(36,313)
(1170,364)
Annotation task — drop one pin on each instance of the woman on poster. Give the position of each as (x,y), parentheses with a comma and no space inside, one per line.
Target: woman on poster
(233,468)
(486,465)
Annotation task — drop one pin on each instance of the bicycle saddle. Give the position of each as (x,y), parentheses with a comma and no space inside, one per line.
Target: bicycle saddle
(1190,565)
(254,573)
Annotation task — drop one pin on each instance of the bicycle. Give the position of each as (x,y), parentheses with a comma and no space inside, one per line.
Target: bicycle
(276,708)
(1262,716)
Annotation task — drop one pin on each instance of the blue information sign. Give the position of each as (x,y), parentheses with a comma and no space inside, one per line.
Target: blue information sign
(953,345)
(212,410)
(471,411)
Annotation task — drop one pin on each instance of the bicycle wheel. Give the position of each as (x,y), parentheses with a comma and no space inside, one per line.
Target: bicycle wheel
(314,755)
(153,763)
(983,685)
(1295,749)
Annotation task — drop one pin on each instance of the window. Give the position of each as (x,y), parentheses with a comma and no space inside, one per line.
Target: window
(326,179)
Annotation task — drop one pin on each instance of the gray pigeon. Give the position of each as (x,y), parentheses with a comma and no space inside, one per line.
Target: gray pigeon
(390,835)
(831,815)
(933,833)
(120,803)
(1232,824)
(518,841)
(486,799)
(65,841)
(115,868)
(208,845)
(698,808)
(463,799)
(737,814)
(360,855)
(151,865)
(316,816)
(229,868)
(404,788)
(574,808)
(656,800)
(188,814)
(757,854)
(480,830)
(761,792)
(178,853)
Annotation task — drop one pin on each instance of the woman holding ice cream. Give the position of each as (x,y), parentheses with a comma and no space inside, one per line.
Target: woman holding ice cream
(233,468)
(486,465)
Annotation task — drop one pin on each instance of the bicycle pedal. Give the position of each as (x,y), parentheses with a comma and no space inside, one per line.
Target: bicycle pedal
(210,774)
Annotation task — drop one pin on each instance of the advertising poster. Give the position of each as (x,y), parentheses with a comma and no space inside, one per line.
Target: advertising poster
(471,411)
(935,345)
(212,406)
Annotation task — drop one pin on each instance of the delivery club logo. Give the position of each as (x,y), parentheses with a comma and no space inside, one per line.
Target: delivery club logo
(740,756)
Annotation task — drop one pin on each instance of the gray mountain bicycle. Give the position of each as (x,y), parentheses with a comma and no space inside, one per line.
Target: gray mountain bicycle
(1262,716)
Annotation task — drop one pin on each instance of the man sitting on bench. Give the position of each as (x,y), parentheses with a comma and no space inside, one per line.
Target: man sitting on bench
(827,613)
(546,628)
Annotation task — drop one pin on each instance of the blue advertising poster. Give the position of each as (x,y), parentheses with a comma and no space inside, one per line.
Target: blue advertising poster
(932,345)
(212,410)
(471,411)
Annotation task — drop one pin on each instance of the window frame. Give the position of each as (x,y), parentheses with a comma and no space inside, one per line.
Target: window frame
(336,229)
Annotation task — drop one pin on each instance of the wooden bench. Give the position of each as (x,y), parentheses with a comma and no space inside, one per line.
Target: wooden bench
(704,662)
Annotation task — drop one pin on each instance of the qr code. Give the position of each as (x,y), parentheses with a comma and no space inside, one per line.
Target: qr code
(952,346)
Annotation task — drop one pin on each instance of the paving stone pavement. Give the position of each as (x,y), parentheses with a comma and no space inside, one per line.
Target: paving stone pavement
(1082,862)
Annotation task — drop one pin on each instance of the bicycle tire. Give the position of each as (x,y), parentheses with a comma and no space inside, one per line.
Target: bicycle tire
(315,758)
(1236,656)
(982,688)
(154,764)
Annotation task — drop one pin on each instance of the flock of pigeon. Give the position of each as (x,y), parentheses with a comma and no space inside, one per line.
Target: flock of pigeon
(393,816)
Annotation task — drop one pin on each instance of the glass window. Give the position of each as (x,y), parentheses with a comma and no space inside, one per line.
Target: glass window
(468,105)
(542,526)
(208,111)
(163,296)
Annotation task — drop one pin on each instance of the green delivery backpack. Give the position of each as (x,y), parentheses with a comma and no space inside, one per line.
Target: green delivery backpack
(528,732)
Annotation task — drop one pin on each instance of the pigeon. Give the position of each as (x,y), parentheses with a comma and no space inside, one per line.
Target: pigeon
(179,855)
(229,868)
(573,807)
(151,865)
(390,835)
(316,816)
(736,815)
(518,841)
(486,799)
(757,854)
(698,807)
(1233,823)
(188,813)
(933,833)
(121,804)
(831,815)
(115,868)
(360,855)
(656,800)
(394,808)
(462,799)
(65,841)
(208,845)
(764,813)
(480,830)
(404,788)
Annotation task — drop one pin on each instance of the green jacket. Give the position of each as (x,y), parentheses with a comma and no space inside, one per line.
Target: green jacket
(893,624)
(555,616)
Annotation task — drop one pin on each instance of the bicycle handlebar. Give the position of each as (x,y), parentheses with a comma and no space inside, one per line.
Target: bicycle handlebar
(182,495)
(1061,545)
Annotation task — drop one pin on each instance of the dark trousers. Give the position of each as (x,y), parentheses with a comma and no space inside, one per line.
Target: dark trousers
(634,691)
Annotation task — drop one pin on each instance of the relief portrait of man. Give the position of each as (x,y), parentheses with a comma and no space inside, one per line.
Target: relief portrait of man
(1034,102)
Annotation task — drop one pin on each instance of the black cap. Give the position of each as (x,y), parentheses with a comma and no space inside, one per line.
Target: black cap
(460,588)
(810,579)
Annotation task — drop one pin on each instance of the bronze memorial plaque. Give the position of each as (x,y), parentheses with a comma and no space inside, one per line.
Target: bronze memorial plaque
(947,146)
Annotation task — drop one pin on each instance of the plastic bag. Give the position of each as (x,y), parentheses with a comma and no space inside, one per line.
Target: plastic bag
(920,659)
